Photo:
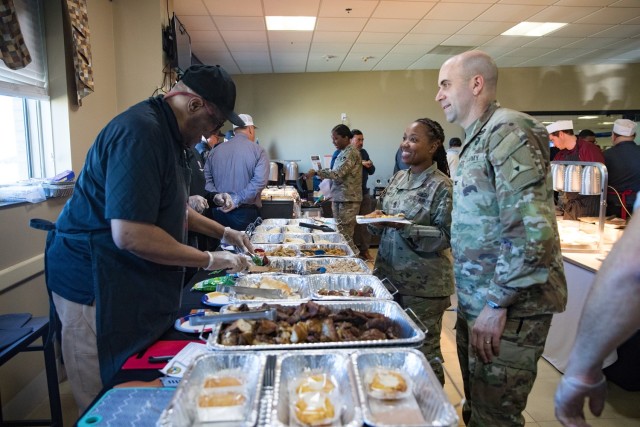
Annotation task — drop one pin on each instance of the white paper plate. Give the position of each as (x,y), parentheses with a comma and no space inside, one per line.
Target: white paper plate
(182,325)
(361,219)
(215,299)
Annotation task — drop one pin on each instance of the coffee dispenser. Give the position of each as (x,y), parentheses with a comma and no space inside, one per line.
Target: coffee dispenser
(291,172)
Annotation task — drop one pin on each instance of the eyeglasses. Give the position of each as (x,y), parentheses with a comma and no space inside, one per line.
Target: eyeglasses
(216,119)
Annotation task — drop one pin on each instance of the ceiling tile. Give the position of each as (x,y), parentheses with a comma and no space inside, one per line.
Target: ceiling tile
(509,13)
(283,47)
(208,47)
(244,36)
(508,41)
(509,61)
(321,66)
(424,39)
(330,48)
(340,24)
(466,40)
(430,26)
(371,37)
(407,49)
(237,23)
(375,49)
(484,28)
(496,51)
(336,8)
(346,37)
(189,7)
(529,2)
(563,14)
(619,31)
(461,11)
(600,3)
(207,36)
(291,7)
(197,23)
(429,62)
(593,43)
(551,42)
(390,25)
(247,47)
(579,30)
(234,8)
(402,9)
(611,15)
(290,36)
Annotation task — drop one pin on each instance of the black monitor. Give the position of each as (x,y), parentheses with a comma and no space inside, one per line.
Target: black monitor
(177,45)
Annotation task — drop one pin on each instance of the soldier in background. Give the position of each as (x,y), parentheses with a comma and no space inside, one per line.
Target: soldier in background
(504,237)
(361,237)
(416,257)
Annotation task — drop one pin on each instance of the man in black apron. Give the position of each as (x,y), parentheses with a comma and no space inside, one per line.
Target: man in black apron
(115,258)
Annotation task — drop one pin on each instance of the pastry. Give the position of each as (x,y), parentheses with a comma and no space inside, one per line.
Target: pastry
(316,383)
(226,406)
(387,384)
(314,409)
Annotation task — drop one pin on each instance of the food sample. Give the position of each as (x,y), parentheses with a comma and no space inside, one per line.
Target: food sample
(224,381)
(308,323)
(315,383)
(338,266)
(363,292)
(225,406)
(294,240)
(326,251)
(379,214)
(270,283)
(296,229)
(314,409)
(387,384)
(282,251)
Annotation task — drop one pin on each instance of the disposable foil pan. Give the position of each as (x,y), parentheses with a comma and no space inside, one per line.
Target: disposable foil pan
(268,229)
(325,247)
(323,237)
(275,221)
(335,266)
(346,282)
(427,390)
(275,250)
(307,237)
(285,265)
(182,410)
(409,335)
(267,238)
(295,228)
(293,366)
(298,284)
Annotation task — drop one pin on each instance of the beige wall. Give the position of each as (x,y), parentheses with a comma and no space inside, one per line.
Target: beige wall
(295,112)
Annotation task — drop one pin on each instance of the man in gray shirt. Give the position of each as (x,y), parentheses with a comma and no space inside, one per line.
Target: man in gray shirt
(239,167)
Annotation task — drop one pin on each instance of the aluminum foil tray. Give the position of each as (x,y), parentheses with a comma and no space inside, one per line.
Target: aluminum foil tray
(298,284)
(285,265)
(269,229)
(182,410)
(307,237)
(295,228)
(322,237)
(293,366)
(346,282)
(275,221)
(267,238)
(410,334)
(326,246)
(336,266)
(275,250)
(431,399)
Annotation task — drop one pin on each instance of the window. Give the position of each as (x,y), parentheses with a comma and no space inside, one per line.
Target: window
(26,149)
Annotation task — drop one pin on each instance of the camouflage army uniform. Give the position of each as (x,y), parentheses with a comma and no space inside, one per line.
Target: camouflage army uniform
(417,259)
(346,190)
(506,249)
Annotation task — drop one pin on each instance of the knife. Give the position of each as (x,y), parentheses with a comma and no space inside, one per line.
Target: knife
(257,292)
(324,228)
(269,314)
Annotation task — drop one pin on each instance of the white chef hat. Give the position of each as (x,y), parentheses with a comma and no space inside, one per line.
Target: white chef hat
(624,127)
(560,125)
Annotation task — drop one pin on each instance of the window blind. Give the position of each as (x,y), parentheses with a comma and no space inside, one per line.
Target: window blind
(30,81)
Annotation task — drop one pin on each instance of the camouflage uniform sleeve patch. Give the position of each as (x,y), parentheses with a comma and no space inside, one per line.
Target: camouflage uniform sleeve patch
(513,159)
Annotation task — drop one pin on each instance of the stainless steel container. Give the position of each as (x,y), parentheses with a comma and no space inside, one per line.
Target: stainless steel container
(557,173)
(573,178)
(273,172)
(291,171)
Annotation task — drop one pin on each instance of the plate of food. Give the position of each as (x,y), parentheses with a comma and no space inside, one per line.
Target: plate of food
(380,216)
(215,299)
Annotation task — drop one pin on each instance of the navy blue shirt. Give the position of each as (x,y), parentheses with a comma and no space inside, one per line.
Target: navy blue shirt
(130,173)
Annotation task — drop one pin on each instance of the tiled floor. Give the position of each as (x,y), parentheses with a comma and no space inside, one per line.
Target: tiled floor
(622,408)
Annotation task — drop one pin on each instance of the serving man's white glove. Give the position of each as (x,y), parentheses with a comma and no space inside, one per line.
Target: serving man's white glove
(224,201)
(570,396)
(226,260)
(237,239)
(198,203)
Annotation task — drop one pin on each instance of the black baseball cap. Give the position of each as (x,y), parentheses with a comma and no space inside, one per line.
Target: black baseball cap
(215,85)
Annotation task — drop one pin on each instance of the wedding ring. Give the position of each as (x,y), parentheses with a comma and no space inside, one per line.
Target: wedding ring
(487,341)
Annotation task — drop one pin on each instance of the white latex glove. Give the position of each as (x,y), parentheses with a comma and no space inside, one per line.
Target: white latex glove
(570,396)
(223,200)
(226,260)
(198,203)
(238,239)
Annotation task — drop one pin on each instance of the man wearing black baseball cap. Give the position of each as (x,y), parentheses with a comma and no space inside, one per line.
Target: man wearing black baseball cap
(115,257)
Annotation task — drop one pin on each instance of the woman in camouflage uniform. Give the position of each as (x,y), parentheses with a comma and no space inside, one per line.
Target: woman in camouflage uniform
(417,257)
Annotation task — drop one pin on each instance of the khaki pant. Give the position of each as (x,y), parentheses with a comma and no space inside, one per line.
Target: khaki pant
(496,393)
(79,349)
(345,216)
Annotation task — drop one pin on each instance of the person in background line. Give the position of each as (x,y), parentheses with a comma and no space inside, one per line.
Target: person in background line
(589,136)
(614,297)
(362,238)
(504,237)
(453,155)
(114,259)
(416,257)
(574,149)
(346,182)
(204,147)
(240,168)
(399,166)
(623,165)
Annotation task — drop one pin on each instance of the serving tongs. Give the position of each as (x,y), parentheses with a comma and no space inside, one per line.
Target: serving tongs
(256,292)
(324,228)
(269,314)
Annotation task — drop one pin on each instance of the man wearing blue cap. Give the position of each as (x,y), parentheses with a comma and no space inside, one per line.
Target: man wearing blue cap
(115,257)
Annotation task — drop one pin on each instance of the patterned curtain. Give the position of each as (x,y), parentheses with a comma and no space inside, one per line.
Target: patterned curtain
(13,50)
(77,10)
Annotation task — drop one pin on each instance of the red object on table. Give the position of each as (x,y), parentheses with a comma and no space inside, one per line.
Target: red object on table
(159,348)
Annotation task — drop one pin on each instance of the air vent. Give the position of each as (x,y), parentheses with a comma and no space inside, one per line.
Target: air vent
(450,50)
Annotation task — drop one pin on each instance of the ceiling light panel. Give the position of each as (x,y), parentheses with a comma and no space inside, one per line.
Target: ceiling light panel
(533,29)
(290,23)
(402,9)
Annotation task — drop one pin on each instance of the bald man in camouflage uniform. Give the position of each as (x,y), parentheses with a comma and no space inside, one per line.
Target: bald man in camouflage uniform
(508,265)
